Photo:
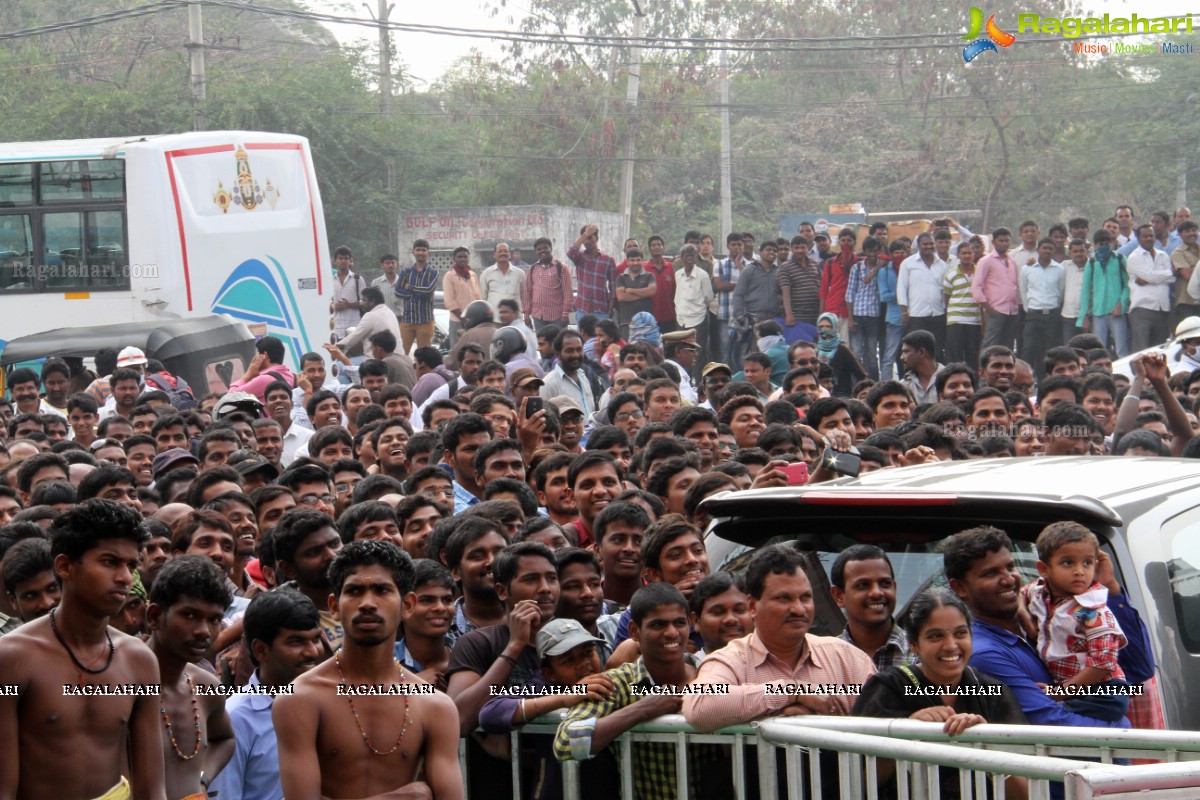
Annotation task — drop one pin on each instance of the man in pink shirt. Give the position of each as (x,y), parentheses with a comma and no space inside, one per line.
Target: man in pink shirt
(996,287)
(780,668)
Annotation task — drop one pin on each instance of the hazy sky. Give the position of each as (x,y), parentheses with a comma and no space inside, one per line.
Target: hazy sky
(428,56)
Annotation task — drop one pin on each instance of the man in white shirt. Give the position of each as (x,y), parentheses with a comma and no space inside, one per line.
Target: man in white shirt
(502,281)
(1027,253)
(919,291)
(376,317)
(347,287)
(1150,277)
(694,296)
(387,284)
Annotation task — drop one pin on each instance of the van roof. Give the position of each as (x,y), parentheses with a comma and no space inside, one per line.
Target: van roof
(1086,487)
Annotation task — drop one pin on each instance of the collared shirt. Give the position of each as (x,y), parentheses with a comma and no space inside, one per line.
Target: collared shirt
(961,308)
(1023,257)
(664,290)
(758,293)
(495,285)
(1155,269)
(415,287)
(252,773)
(401,654)
(579,388)
(379,318)
(1012,660)
(459,292)
(1076,631)
(802,282)
(922,394)
(1169,246)
(997,282)
(460,624)
(862,296)
(747,667)
(462,498)
(295,438)
(1072,288)
(547,291)
(687,390)
(894,651)
(919,286)
(728,271)
(694,297)
(1186,257)
(1042,287)
(349,290)
(389,293)
(653,763)
(596,276)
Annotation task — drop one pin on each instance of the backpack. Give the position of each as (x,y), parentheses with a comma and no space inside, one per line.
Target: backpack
(177,389)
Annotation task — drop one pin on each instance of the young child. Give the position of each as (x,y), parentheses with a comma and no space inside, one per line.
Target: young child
(1077,636)
(569,659)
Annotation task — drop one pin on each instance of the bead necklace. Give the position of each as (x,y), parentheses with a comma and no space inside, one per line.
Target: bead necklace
(71,653)
(337,658)
(195,714)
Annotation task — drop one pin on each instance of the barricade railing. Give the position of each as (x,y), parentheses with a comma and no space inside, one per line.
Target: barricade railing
(982,756)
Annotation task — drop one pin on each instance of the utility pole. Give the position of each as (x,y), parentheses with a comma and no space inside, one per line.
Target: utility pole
(195,47)
(631,99)
(385,108)
(726,155)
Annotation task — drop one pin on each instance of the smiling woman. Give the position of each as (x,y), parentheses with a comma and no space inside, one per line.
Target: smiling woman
(941,688)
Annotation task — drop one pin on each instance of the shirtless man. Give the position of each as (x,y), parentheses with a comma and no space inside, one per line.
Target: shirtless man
(58,746)
(187,603)
(334,745)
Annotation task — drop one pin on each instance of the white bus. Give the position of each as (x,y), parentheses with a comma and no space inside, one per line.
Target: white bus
(97,231)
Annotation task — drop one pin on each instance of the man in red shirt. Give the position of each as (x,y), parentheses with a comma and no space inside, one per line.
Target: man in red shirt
(664,277)
(835,276)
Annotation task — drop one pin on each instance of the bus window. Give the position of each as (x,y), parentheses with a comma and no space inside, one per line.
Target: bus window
(16,246)
(62,253)
(106,250)
(16,184)
(73,181)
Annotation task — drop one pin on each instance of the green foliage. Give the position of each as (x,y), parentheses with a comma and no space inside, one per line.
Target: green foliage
(1033,131)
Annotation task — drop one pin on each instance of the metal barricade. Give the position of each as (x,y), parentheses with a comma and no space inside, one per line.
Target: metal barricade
(982,755)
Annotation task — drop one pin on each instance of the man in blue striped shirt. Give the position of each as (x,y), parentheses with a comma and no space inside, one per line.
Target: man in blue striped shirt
(415,286)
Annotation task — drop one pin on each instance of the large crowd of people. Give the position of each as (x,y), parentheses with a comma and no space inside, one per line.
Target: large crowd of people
(318,584)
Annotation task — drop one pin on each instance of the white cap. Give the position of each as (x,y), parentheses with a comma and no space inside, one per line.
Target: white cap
(1188,328)
(131,357)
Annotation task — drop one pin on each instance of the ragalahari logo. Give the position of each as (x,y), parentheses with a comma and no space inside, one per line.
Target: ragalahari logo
(994,37)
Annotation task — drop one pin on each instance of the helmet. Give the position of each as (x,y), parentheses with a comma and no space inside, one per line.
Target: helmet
(477,312)
(237,401)
(1188,328)
(506,343)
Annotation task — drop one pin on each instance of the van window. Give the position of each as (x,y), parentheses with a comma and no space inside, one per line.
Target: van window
(916,561)
(1181,543)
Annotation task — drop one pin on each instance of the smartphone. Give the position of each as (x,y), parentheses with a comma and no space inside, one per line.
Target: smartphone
(847,464)
(797,474)
(532,406)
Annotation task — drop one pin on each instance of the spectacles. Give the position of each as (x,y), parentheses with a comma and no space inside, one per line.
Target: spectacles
(626,415)
(313,499)
(340,488)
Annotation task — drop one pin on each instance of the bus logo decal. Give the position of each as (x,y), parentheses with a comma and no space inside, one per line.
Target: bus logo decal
(246,192)
(253,293)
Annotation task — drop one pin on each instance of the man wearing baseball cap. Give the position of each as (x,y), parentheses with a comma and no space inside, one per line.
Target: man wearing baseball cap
(569,658)
(524,382)
(713,379)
